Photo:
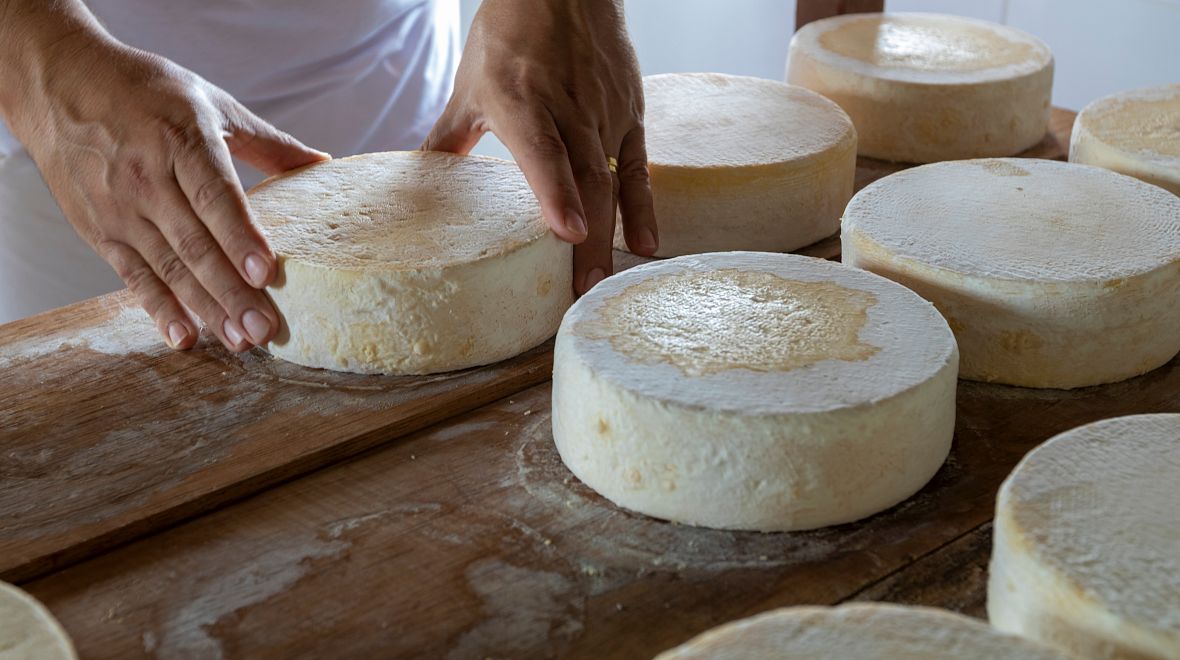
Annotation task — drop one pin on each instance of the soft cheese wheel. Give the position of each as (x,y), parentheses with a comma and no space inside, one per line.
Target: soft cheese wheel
(869,631)
(1136,133)
(927,87)
(1051,274)
(749,390)
(743,163)
(28,631)
(410,263)
(1086,542)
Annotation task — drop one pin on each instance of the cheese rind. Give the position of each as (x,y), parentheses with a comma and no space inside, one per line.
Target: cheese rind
(1136,133)
(928,87)
(28,631)
(1051,274)
(749,390)
(861,631)
(1086,549)
(742,163)
(410,263)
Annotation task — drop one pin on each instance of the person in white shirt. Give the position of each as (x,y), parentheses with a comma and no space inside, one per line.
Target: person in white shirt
(134,111)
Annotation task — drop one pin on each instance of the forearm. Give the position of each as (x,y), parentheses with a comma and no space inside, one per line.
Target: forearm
(31,33)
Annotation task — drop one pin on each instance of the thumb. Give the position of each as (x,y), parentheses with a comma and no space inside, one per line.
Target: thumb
(452,133)
(265,147)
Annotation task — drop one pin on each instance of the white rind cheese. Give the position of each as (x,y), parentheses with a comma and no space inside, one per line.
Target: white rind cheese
(1136,133)
(922,88)
(1086,542)
(28,631)
(862,631)
(748,390)
(410,263)
(743,163)
(1051,274)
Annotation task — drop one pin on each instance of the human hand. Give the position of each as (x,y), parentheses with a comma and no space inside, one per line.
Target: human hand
(137,152)
(557,81)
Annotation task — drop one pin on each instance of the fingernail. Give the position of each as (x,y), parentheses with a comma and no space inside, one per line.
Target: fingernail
(177,333)
(231,332)
(257,270)
(575,223)
(593,277)
(257,325)
(647,240)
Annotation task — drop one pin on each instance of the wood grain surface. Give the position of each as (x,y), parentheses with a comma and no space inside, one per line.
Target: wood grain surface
(471,540)
(107,434)
(953,577)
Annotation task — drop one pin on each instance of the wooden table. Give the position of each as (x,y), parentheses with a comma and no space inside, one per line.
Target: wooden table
(199,504)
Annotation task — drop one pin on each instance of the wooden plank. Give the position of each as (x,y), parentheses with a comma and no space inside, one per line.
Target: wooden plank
(953,577)
(472,540)
(107,434)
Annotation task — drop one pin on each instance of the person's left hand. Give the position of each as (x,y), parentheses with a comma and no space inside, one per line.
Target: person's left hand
(557,81)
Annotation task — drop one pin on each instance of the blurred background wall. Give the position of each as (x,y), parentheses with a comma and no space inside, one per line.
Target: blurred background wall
(1101,46)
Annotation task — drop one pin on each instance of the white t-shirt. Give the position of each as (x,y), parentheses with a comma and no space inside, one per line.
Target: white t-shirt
(344,76)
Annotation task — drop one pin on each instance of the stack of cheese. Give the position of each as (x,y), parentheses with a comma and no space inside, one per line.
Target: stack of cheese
(870,631)
(744,163)
(926,87)
(1136,133)
(410,263)
(28,631)
(749,390)
(1087,541)
(1051,274)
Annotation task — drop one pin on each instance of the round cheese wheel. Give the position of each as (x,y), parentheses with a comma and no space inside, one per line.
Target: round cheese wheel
(1136,133)
(927,87)
(1086,541)
(869,631)
(743,163)
(410,263)
(750,390)
(1051,274)
(28,631)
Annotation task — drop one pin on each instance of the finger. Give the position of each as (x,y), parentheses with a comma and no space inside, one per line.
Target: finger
(452,133)
(172,321)
(263,146)
(194,243)
(183,284)
(204,170)
(635,199)
(596,189)
(540,152)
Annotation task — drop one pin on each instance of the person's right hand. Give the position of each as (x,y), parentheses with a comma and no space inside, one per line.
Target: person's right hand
(137,151)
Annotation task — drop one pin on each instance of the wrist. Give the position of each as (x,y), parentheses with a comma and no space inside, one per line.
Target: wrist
(35,38)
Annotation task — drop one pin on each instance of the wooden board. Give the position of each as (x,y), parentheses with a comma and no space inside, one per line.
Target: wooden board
(110,436)
(953,577)
(107,434)
(471,539)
